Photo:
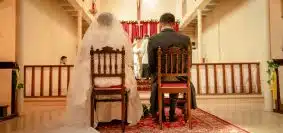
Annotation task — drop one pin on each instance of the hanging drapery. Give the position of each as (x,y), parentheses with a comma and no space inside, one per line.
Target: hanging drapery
(144,29)
(126,26)
(153,28)
(135,29)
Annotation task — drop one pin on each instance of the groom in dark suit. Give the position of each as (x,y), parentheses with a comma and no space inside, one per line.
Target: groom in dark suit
(165,39)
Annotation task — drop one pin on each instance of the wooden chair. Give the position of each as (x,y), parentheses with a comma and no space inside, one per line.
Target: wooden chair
(111,90)
(180,63)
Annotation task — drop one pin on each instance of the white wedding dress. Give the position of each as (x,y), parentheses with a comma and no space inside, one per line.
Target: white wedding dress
(77,116)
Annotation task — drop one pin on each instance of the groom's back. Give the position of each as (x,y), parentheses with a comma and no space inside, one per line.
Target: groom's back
(165,39)
(169,37)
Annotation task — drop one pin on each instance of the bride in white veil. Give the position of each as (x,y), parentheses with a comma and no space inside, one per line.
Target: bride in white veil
(105,30)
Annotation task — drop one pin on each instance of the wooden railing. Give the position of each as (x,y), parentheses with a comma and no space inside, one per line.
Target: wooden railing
(208,78)
(226,78)
(46,80)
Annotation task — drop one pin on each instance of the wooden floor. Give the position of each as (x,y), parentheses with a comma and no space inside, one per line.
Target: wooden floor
(244,112)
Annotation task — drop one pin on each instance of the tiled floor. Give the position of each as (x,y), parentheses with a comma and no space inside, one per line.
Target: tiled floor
(247,113)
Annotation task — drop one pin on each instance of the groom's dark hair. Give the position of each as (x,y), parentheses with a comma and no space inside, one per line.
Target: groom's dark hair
(105,19)
(167,18)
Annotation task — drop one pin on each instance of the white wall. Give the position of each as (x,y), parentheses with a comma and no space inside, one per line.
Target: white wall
(235,31)
(47,32)
(122,9)
(7,30)
(8,47)
(276,29)
(150,9)
(153,9)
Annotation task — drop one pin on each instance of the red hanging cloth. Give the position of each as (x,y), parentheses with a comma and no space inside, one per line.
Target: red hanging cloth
(135,31)
(153,28)
(144,29)
(126,26)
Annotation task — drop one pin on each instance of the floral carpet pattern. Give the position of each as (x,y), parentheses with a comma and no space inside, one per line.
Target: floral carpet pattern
(202,122)
(143,85)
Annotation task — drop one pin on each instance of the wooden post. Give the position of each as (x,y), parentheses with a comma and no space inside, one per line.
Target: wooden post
(138,10)
(199,22)
(79,30)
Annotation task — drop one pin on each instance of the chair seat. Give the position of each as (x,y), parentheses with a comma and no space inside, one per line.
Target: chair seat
(180,101)
(173,85)
(115,87)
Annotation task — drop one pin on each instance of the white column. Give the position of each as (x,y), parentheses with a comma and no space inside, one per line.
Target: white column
(79,30)
(178,11)
(268,102)
(199,22)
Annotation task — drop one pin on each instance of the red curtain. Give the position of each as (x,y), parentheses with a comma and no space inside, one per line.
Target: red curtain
(126,26)
(135,31)
(144,29)
(153,28)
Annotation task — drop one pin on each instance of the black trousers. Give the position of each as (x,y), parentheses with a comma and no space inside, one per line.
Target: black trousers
(145,71)
(173,99)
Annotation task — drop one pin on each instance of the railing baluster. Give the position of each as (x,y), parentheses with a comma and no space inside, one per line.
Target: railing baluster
(215,79)
(241,79)
(41,81)
(206,79)
(233,79)
(50,80)
(224,78)
(32,81)
(198,80)
(25,83)
(68,76)
(59,81)
(258,78)
(250,79)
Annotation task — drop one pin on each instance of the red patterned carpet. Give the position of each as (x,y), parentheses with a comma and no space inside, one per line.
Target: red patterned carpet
(143,85)
(203,122)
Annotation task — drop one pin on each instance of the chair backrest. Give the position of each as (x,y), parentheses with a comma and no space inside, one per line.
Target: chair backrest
(108,62)
(173,62)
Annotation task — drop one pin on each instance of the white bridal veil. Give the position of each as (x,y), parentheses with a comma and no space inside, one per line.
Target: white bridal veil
(105,30)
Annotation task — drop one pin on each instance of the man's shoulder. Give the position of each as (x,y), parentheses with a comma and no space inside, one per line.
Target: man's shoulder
(154,37)
(184,37)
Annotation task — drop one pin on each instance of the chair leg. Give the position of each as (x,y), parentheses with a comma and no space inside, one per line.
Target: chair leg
(185,110)
(189,106)
(160,107)
(91,113)
(123,112)
(126,111)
